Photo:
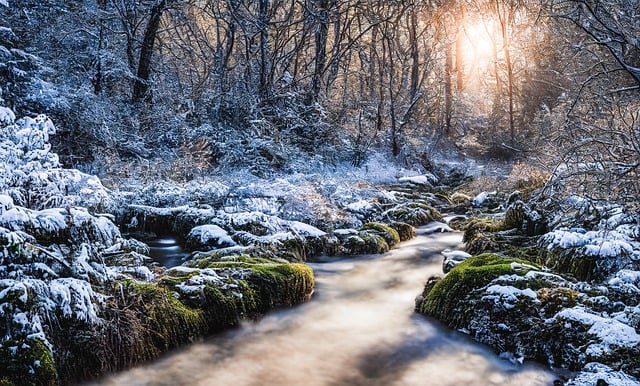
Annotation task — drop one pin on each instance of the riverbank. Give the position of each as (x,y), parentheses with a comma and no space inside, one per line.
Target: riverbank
(81,295)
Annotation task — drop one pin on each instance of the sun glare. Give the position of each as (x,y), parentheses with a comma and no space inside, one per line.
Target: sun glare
(479,44)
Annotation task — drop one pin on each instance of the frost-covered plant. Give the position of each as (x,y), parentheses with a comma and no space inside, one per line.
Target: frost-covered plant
(31,174)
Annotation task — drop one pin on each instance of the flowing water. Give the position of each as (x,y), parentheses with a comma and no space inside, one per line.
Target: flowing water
(166,251)
(359,329)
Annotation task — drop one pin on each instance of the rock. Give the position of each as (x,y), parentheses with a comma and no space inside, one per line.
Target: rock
(205,237)
(453,258)
(412,213)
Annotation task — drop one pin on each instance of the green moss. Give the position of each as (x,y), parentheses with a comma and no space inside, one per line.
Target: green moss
(389,234)
(413,213)
(555,299)
(570,261)
(405,231)
(279,285)
(31,363)
(365,243)
(169,321)
(443,301)
(478,225)
(478,234)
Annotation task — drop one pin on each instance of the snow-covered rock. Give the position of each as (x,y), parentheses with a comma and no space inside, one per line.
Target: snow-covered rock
(208,237)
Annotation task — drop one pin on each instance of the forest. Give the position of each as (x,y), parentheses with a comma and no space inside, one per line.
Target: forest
(262,135)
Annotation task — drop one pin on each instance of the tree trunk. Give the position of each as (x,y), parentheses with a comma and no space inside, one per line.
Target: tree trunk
(448,89)
(141,85)
(504,22)
(321,32)
(263,19)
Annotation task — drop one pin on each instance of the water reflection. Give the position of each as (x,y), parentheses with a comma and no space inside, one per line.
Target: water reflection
(359,329)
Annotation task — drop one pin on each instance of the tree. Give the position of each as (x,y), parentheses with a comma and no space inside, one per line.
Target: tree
(141,84)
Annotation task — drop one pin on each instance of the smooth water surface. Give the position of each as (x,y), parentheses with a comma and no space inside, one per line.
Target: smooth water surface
(166,251)
(360,328)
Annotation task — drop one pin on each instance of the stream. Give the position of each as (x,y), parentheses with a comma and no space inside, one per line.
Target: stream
(359,328)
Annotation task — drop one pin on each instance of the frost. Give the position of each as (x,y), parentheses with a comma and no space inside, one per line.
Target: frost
(605,244)
(425,179)
(211,235)
(609,332)
(6,115)
(482,198)
(362,206)
(594,373)
(507,295)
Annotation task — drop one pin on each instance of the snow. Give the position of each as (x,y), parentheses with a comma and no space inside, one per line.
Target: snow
(211,235)
(6,115)
(607,244)
(625,276)
(74,298)
(362,206)
(594,372)
(609,332)
(424,179)
(507,295)
(346,232)
(481,198)
(305,230)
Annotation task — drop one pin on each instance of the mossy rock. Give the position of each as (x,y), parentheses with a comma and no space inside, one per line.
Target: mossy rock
(413,213)
(170,322)
(31,364)
(389,234)
(365,244)
(572,262)
(478,225)
(443,299)
(263,284)
(405,231)
(479,235)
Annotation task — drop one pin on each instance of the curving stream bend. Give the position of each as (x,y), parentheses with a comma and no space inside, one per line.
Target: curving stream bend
(359,329)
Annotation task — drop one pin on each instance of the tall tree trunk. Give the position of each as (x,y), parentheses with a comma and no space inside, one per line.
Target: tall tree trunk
(448,89)
(321,32)
(141,85)
(415,53)
(505,19)
(263,18)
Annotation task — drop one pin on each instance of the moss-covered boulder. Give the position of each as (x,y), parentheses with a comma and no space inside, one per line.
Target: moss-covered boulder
(445,300)
(250,285)
(145,319)
(415,213)
(26,362)
(365,244)
(389,234)
(405,231)
(589,255)
(520,309)
(479,235)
